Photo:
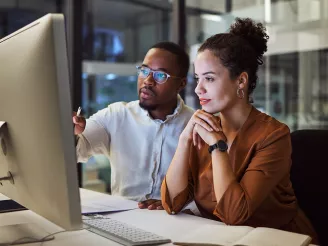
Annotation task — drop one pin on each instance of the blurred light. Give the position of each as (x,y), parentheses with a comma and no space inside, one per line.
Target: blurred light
(110,76)
(84,75)
(117,46)
(211,17)
(267,11)
(132,78)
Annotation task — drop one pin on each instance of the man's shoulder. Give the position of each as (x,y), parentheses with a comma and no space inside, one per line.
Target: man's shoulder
(187,111)
(123,106)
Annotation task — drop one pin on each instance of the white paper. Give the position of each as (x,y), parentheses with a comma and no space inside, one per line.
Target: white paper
(223,235)
(273,237)
(107,204)
(214,235)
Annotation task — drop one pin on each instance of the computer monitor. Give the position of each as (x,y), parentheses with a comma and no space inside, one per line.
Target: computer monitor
(37,153)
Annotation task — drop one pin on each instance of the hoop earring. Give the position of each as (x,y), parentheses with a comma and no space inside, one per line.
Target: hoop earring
(240,93)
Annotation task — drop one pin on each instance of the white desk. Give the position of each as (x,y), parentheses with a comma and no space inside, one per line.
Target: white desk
(155,221)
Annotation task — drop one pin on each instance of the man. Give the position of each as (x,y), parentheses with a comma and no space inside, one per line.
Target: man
(140,137)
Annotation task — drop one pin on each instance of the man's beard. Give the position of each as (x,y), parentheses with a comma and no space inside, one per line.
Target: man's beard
(147,107)
(144,105)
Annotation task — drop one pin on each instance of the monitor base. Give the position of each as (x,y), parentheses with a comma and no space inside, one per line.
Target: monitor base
(22,234)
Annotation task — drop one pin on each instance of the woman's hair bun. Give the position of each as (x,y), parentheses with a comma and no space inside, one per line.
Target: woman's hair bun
(254,33)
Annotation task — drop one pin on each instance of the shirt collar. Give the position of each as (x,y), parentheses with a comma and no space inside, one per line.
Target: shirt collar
(177,110)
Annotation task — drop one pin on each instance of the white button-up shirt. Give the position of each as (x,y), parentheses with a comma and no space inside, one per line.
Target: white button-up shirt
(140,149)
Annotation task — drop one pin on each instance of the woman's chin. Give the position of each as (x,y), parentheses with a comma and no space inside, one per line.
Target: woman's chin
(209,110)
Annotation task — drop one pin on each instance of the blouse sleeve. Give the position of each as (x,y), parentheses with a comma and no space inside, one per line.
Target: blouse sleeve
(269,165)
(183,198)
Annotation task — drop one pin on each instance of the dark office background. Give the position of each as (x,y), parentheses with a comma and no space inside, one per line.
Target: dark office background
(107,38)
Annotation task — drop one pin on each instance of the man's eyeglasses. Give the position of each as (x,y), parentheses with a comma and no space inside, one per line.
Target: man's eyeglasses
(160,77)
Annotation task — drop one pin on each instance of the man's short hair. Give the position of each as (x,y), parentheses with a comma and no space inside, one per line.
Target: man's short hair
(182,56)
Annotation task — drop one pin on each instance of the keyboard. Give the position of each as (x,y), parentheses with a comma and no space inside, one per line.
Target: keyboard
(121,232)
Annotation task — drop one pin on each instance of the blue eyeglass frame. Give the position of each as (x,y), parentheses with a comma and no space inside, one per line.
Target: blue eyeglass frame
(152,72)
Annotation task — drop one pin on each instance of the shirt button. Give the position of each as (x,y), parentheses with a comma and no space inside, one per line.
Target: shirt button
(173,212)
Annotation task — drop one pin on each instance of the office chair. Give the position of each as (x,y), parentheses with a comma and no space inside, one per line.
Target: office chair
(309,176)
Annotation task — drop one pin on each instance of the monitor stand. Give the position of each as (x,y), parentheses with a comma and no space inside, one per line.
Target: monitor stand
(18,233)
(23,233)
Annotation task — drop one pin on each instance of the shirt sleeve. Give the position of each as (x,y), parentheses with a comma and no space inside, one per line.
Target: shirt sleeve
(96,137)
(94,140)
(269,165)
(180,200)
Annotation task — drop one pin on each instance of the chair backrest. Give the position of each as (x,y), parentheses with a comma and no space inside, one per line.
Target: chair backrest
(309,176)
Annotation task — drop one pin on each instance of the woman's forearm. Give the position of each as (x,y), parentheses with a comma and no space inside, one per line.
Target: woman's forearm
(223,174)
(177,174)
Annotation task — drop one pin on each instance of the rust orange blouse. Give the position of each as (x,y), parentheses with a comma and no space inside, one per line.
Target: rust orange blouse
(262,194)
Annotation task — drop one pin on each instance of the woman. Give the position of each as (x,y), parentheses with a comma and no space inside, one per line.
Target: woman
(236,165)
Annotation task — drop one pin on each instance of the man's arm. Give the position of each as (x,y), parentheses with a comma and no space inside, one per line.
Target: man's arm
(94,140)
(92,135)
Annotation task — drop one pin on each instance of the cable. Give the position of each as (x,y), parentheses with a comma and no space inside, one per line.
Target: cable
(42,240)
(38,240)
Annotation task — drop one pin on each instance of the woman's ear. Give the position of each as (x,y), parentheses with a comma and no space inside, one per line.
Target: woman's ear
(243,80)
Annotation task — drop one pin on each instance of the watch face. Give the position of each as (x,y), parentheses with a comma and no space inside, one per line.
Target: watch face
(222,145)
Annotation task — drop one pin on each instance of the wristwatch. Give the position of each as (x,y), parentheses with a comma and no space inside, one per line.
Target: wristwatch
(221,145)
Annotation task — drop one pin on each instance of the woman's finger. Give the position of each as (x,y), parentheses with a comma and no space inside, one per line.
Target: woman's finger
(200,142)
(194,137)
(210,119)
(202,123)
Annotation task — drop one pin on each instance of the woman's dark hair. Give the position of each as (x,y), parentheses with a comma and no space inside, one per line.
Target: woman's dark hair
(240,50)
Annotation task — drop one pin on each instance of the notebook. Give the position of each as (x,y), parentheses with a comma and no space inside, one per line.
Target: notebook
(222,235)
